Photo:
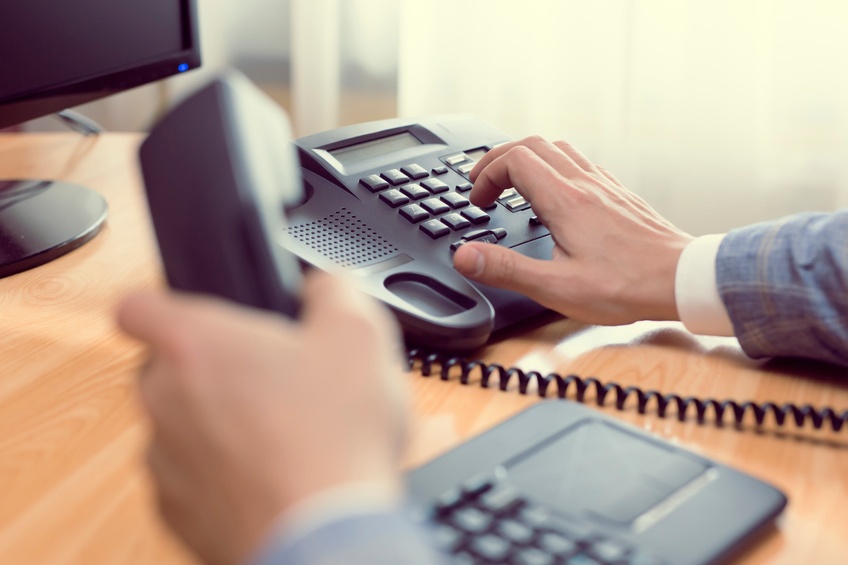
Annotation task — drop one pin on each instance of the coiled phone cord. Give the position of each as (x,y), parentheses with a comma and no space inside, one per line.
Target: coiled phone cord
(734,412)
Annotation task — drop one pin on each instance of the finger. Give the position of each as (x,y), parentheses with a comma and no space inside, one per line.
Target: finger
(502,267)
(330,297)
(147,316)
(490,156)
(171,487)
(549,152)
(622,193)
(523,169)
(558,154)
(577,157)
(156,391)
(168,321)
(610,176)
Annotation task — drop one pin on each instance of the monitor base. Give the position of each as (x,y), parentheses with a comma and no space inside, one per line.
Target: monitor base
(41,220)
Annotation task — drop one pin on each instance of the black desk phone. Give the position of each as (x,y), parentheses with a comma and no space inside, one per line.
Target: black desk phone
(387,201)
(558,483)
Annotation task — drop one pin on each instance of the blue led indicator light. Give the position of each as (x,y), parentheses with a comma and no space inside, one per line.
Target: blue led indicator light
(182,67)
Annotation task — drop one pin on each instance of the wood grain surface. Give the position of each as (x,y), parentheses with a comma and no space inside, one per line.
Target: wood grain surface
(73,488)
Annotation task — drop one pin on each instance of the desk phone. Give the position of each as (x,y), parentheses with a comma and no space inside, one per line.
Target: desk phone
(387,201)
(559,483)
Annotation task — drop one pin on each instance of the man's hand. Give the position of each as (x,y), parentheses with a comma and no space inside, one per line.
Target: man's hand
(252,412)
(614,258)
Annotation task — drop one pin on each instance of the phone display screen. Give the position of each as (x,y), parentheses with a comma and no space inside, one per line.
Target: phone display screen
(377,147)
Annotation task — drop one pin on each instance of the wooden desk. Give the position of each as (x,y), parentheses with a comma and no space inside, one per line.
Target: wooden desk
(72,485)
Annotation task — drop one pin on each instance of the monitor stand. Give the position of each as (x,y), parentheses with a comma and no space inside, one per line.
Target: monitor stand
(41,220)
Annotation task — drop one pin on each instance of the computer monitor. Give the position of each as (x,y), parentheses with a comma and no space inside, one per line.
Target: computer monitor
(57,55)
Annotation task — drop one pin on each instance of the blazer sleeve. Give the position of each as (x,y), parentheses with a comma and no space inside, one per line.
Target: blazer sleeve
(785,286)
(364,539)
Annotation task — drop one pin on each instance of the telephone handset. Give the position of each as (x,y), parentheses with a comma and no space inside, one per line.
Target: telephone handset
(388,202)
(218,171)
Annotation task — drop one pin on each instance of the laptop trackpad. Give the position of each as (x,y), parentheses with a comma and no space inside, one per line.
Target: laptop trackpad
(597,469)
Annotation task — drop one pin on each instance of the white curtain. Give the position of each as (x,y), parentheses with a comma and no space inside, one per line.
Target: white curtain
(718,112)
(344,62)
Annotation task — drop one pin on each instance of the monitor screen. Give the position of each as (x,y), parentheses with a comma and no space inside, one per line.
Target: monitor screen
(56,54)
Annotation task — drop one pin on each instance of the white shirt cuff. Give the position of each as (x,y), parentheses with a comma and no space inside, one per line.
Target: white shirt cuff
(695,290)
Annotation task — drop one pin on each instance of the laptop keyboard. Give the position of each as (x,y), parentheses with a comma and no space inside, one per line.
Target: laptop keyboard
(484,521)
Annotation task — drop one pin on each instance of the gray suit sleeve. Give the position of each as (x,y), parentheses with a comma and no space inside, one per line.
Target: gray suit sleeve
(366,539)
(785,286)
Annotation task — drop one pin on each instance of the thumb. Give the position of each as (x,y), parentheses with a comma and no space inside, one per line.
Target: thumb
(143,314)
(501,267)
(327,295)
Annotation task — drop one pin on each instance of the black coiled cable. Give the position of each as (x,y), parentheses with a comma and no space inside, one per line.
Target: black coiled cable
(426,361)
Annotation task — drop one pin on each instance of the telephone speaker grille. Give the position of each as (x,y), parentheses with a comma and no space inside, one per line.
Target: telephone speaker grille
(345,239)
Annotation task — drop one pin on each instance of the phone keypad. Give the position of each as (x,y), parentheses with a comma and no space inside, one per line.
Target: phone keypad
(486,521)
(436,207)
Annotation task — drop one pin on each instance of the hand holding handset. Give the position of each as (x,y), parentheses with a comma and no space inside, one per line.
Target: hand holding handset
(218,171)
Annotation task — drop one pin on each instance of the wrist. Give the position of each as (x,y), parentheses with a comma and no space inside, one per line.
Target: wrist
(656,294)
(332,504)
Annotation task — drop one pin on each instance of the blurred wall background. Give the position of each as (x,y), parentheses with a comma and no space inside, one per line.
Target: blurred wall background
(719,112)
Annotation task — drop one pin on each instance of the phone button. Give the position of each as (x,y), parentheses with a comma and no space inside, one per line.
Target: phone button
(373,183)
(435,206)
(414,213)
(455,200)
(415,171)
(516,204)
(435,186)
(475,215)
(434,228)
(394,198)
(483,236)
(455,221)
(395,177)
(415,191)
(487,238)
